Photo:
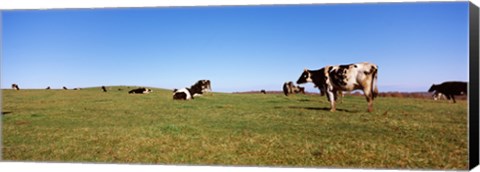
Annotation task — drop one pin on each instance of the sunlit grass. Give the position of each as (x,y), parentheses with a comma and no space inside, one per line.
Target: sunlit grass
(232,129)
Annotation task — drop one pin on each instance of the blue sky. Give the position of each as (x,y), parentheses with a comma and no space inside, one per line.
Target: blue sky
(238,48)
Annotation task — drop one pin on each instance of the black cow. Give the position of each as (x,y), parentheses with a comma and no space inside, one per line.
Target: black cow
(451,88)
(104,89)
(263,91)
(65,88)
(48,88)
(140,90)
(334,79)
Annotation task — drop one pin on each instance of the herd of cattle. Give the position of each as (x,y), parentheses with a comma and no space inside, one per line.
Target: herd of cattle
(330,80)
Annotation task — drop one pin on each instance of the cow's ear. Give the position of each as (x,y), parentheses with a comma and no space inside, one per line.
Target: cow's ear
(306,70)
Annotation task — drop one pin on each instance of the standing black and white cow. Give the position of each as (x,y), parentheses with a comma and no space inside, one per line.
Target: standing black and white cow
(140,90)
(334,79)
(197,89)
(451,88)
(290,88)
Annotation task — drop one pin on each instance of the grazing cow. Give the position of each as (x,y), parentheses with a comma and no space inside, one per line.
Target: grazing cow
(65,88)
(437,96)
(104,88)
(451,88)
(290,88)
(263,91)
(334,79)
(15,87)
(197,89)
(48,88)
(140,90)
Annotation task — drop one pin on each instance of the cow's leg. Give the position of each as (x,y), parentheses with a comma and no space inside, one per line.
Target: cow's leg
(340,95)
(331,95)
(453,97)
(448,96)
(369,96)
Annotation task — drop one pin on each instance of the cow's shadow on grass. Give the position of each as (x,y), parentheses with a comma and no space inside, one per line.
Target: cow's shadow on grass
(319,109)
(6,112)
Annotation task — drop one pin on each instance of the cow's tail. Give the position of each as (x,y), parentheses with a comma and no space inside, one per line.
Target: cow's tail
(374,88)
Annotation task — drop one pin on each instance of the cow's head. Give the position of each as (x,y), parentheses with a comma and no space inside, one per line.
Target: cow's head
(305,77)
(432,88)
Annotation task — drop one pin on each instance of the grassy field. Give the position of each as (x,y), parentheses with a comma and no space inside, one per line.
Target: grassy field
(89,125)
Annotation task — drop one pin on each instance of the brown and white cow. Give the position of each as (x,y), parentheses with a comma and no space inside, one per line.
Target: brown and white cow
(290,88)
(332,79)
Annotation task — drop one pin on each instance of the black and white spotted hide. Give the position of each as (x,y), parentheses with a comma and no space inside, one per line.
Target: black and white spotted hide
(15,87)
(197,89)
(335,79)
(290,88)
(141,90)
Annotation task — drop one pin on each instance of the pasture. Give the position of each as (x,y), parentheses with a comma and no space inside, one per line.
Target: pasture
(92,126)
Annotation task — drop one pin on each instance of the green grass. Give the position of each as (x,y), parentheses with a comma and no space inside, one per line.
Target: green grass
(232,129)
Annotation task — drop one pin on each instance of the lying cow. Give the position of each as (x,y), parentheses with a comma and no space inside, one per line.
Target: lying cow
(141,90)
(197,89)
(449,89)
(290,88)
(438,96)
(205,86)
(15,87)
(334,79)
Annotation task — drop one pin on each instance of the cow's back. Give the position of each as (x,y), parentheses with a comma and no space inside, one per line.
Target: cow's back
(354,76)
(453,87)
